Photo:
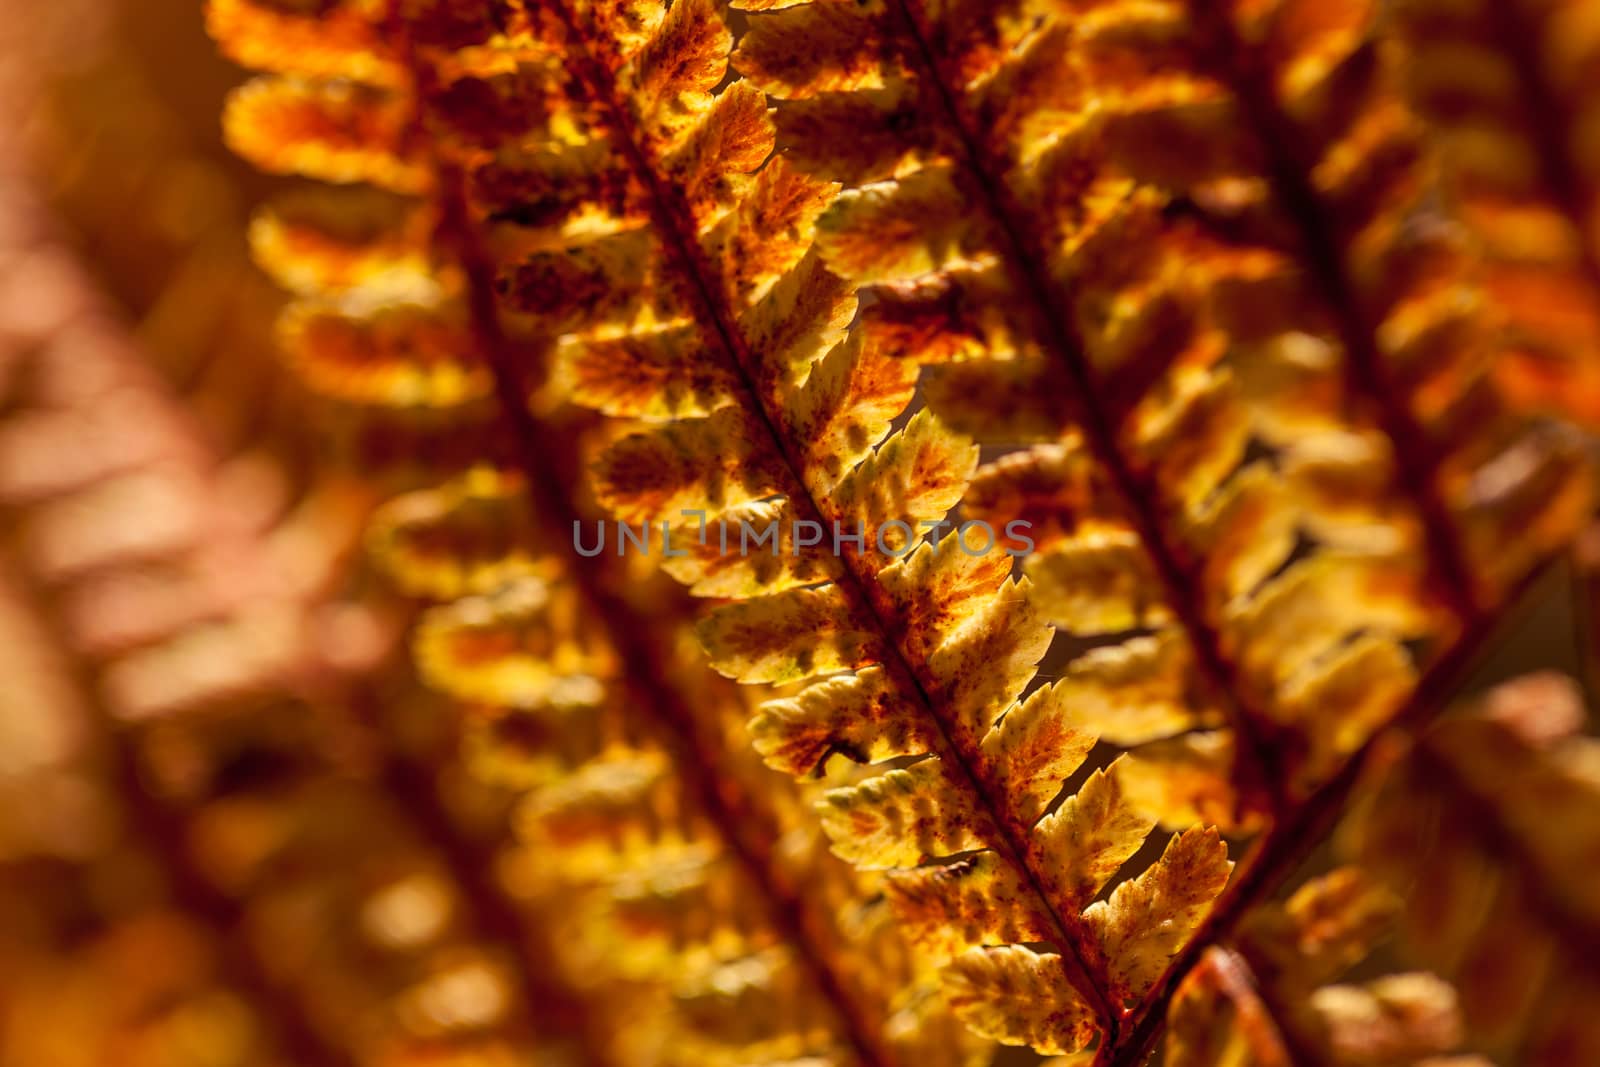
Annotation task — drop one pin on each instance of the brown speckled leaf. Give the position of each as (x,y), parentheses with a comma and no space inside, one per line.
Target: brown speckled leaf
(710,464)
(1011,994)
(1091,835)
(976,901)
(786,636)
(859,716)
(899,817)
(1148,919)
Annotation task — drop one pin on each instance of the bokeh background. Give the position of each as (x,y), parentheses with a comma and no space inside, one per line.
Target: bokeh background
(231,831)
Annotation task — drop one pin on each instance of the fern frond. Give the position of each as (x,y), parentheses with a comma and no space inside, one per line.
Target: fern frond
(328,240)
(1160,241)
(553,662)
(343,42)
(191,645)
(780,416)
(666,895)
(336,131)
(1184,269)
(1110,334)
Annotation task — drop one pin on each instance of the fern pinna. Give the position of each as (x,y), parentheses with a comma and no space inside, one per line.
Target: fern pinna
(1196,252)
(1188,270)
(771,414)
(652,846)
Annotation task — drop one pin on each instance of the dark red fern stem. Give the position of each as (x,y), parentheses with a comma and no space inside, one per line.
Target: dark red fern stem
(671,216)
(491,913)
(1292,837)
(1260,777)
(1367,375)
(1584,596)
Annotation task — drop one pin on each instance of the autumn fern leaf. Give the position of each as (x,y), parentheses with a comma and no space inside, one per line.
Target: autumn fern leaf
(637,821)
(368,878)
(325,240)
(779,415)
(1191,277)
(344,42)
(336,131)
(1188,256)
(1052,216)
(949,232)
(365,288)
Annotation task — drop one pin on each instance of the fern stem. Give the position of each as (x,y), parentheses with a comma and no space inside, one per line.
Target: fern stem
(1583,595)
(413,785)
(1367,376)
(1259,776)
(648,680)
(1275,856)
(1084,969)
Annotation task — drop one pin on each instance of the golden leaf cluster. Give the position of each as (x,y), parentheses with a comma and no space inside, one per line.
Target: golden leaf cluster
(1271,322)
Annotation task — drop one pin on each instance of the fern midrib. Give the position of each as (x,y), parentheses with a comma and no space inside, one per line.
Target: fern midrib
(1583,596)
(1079,956)
(1259,777)
(1367,376)
(489,911)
